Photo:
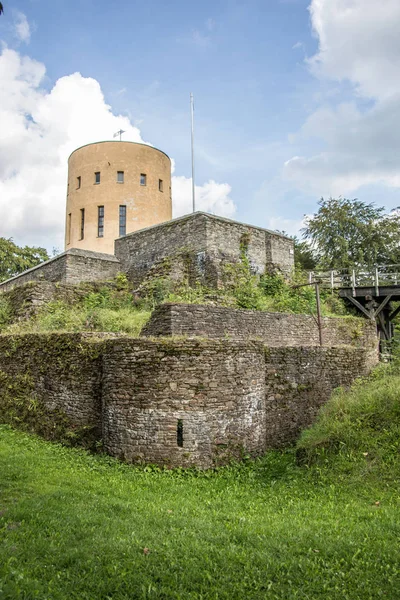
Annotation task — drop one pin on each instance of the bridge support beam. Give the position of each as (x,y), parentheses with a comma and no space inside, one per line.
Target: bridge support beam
(379,312)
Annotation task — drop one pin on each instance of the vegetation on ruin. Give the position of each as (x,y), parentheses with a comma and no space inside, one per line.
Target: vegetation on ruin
(321,522)
(359,427)
(110,309)
(113,307)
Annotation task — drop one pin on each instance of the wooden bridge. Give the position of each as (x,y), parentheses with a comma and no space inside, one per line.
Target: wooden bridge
(371,291)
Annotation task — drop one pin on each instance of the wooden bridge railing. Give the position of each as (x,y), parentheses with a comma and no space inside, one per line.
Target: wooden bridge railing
(384,275)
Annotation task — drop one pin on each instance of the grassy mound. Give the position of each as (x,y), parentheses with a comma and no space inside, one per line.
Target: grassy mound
(358,430)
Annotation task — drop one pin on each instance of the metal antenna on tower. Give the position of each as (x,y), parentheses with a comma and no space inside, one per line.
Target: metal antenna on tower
(192,123)
(120,132)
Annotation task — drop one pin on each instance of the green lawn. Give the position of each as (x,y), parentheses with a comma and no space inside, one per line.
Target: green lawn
(78,526)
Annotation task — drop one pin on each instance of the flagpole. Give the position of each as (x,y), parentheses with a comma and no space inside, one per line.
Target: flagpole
(192,124)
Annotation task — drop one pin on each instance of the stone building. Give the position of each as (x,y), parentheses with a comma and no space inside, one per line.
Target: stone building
(119,219)
(115,188)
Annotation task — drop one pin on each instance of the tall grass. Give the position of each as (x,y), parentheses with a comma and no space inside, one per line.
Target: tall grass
(359,428)
(106,310)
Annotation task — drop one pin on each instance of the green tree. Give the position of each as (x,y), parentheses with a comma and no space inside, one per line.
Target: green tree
(1,8)
(15,259)
(305,257)
(349,233)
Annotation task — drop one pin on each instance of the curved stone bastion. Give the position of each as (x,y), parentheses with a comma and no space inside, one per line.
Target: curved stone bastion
(170,401)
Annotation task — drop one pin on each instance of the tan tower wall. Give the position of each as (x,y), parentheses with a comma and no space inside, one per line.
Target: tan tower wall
(145,205)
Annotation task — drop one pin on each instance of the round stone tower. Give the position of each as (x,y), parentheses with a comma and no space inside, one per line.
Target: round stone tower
(115,188)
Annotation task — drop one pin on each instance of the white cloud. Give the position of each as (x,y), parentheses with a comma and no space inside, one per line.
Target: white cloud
(359,41)
(289,226)
(22,28)
(211,197)
(40,128)
(359,139)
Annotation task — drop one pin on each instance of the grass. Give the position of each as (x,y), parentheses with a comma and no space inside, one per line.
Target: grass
(95,313)
(79,526)
(359,429)
(57,316)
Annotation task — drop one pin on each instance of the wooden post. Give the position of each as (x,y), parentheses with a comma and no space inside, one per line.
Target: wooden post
(321,341)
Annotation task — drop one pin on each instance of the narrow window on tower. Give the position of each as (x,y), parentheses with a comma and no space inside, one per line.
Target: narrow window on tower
(143,178)
(78,182)
(69,228)
(100,221)
(122,220)
(160,185)
(120,177)
(82,223)
(97,177)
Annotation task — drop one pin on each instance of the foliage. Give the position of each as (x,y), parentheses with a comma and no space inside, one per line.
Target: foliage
(5,312)
(243,285)
(359,428)
(100,311)
(305,256)
(349,233)
(15,259)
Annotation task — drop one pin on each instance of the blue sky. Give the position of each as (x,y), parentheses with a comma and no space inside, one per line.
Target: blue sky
(294,99)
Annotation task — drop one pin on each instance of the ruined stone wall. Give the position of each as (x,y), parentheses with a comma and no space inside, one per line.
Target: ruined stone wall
(72,266)
(208,242)
(279,253)
(54,269)
(197,247)
(299,381)
(60,372)
(215,389)
(177,402)
(83,265)
(139,251)
(228,240)
(274,329)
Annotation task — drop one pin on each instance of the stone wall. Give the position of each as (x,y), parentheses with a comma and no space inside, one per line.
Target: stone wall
(215,390)
(274,329)
(207,242)
(176,402)
(299,381)
(138,252)
(61,372)
(72,266)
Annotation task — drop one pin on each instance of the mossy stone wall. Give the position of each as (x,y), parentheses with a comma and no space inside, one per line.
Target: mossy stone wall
(274,329)
(170,401)
(51,383)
